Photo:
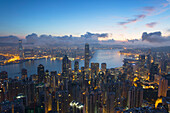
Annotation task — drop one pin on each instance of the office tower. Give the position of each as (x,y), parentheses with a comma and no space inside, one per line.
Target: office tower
(40,72)
(20,49)
(65,65)
(86,56)
(135,97)
(28,53)
(153,70)
(76,66)
(163,87)
(103,67)
(94,69)
(23,74)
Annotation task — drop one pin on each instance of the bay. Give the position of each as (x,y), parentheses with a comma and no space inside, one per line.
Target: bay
(111,57)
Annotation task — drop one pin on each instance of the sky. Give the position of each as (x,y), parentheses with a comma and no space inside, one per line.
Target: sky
(123,19)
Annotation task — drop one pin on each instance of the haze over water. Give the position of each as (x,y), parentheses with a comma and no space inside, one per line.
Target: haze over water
(111,57)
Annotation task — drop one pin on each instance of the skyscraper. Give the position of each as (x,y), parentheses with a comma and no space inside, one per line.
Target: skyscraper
(66,64)
(40,72)
(153,70)
(86,56)
(20,49)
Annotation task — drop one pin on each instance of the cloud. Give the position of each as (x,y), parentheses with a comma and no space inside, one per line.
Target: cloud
(165,4)
(9,39)
(155,37)
(58,40)
(94,35)
(134,20)
(151,25)
(149,9)
(168,1)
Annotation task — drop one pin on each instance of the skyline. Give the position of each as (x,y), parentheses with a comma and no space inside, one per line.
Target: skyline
(123,19)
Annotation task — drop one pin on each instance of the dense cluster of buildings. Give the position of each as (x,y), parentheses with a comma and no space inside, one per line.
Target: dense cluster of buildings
(139,86)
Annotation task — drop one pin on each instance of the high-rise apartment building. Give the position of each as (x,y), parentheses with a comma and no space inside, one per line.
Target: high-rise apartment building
(163,87)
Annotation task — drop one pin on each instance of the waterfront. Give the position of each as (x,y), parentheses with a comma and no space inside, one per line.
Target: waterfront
(111,57)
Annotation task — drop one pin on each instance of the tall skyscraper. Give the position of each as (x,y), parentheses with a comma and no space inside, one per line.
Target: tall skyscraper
(40,72)
(153,70)
(86,56)
(20,49)
(66,64)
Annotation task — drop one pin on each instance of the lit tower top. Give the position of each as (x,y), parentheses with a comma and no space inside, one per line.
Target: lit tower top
(86,63)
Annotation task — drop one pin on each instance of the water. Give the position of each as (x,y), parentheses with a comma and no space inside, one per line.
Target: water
(111,57)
